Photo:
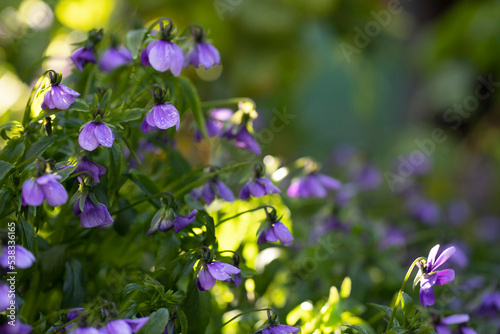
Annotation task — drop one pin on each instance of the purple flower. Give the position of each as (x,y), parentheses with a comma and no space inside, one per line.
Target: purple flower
(86,330)
(59,97)
(211,272)
(432,277)
(23,257)
(18,328)
(313,185)
(274,232)
(442,327)
(44,187)
(95,170)
(346,193)
(393,238)
(214,123)
(163,55)
(124,326)
(212,189)
(278,329)
(243,138)
(490,304)
(4,297)
(95,134)
(82,57)
(368,178)
(165,220)
(424,210)
(93,215)
(258,187)
(162,116)
(204,54)
(114,57)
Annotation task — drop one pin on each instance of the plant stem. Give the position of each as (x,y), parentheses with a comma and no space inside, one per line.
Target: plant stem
(234,100)
(147,198)
(400,293)
(247,312)
(242,213)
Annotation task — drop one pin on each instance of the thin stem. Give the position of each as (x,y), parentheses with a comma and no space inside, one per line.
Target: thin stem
(248,312)
(400,293)
(147,198)
(234,100)
(243,212)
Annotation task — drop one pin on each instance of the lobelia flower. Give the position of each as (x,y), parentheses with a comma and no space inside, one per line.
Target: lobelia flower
(203,53)
(278,329)
(166,219)
(443,326)
(429,276)
(96,171)
(23,257)
(93,214)
(82,56)
(59,96)
(4,297)
(313,185)
(115,57)
(214,188)
(44,187)
(17,328)
(211,272)
(214,123)
(124,326)
(95,134)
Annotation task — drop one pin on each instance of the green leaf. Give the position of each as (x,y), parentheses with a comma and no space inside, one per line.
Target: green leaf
(115,168)
(397,330)
(147,185)
(73,287)
(181,316)
(127,115)
(210,236)
(38,147)
(13,151)
(28,236)
(408,306)
(194,103)
(193,203)
(6,201)
(198,302)
(134,40)
(5,168)
(357,328)
(386,309)
(80,105)
(157,322)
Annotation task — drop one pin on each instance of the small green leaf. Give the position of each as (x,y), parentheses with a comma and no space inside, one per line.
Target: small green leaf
(6,201)
(193,100)
(5,168)
(73,287)
(13,151)
(157,322)
(357,328)
(397,330)
(80,105)
(134,40)
(408,306)
(193,203)
(386,309)
(127,115)
(210,236)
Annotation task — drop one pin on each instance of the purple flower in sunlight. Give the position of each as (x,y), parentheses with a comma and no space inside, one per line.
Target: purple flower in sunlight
(215,188)
(86,330)
(243,138)
(161,116)
(211,272)
(82,57)
(113,58)
(95,170)
(443,326)
(258,187)
(458,212)
(18,328)
(313,185)
(23,257)
(163,55)
(95,134)
(278,329)
(4,297)
(204,54)
(93,215)
(276,231)
(460,257)
(59,97)
(44,187)
(164,220)
(490,304)
(236,279)
(124,326)
(368,178)
(424,210)
(431,277)
(214,123)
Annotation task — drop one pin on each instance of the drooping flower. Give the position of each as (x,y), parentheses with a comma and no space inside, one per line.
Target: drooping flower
(278,329)
(214,188)
(93,214)
(82,56)
(214,123)
(95,170)
(115,57)
(44,187)
(443,326)
(203,53)
(211,272)
(59,96)
(258,187)
(277,231)
(243,138)
(23,257)
(313,185)
(430,276)
(4,297)
(166,219)
(95,134)
(18,328)
(124,326)
(161,116)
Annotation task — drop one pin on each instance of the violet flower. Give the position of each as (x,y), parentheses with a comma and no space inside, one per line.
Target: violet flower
(82,56)
(211,272)
(313,185)
(18,328)
(23,257)
(4,297)
(258,187)
(86,330)
(161,116)
(96,171)
(166,219)
(214,188)
(203,53)
(243,138)
(124,326)
(424,210)
(443,326)
(429,276)
(93,214)
(490,304)
(59,96)
(44,187)
(115,57)
(368,178)
(278,329)
(277,231)
(94,134)
(214,123)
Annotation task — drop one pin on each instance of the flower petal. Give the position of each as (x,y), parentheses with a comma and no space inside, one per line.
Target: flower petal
(104,135)
(221,271)
(159,55)
(54,192)
(165,116)
(24,258)
(256,189)
(445,276)
(432,256)
(426,297)
(94,215)
(87,138)
(176,59)
(224,191)
(282,233)
(118,327)
(329,182)
(136,324)
(205,281)
(445,255)
(455,319)
(32,193)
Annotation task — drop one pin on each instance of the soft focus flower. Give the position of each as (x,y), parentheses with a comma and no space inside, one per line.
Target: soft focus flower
(93,215)
(163,55)
(215,188)
(432,277)
(59,97)
(424,210)
(18,328)
(490,304)
(327,224)
(443,326)
(393,238)
(4,297)
(82,57)
(165,220)
(23,257)
(258,187)
(214,123)
(95,170)
(211,272)
(161,116)
(115,57)
(86,330)
(460,257)
(346,194)
(313,185)
(204,54)
(278,329)
(458,212)
(44,187)
(368,177)
(124,326)
(274,232)
(243,138)
(95,134)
